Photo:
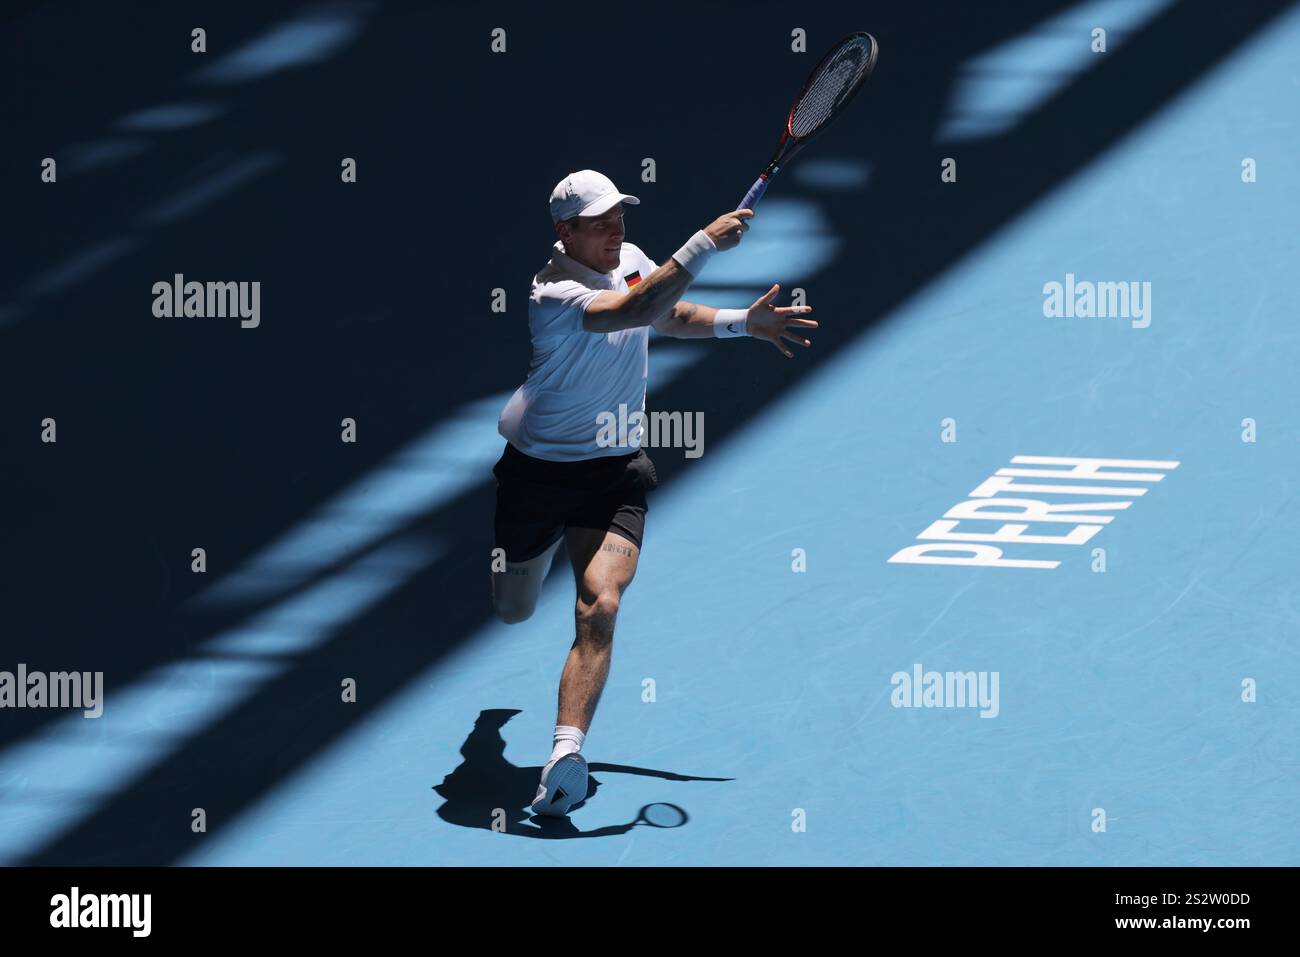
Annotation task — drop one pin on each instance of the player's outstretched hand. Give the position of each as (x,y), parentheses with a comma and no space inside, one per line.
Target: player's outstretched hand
(774,323)
(726,230)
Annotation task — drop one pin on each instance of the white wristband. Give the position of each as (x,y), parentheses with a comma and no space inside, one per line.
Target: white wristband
(730,322)
(697,251)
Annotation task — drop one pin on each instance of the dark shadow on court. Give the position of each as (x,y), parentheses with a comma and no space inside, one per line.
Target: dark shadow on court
(487,791)
(376,306)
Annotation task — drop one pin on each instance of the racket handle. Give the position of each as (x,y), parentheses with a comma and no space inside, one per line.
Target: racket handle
(755,193)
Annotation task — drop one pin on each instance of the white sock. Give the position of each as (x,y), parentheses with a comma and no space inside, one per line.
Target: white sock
(568,740)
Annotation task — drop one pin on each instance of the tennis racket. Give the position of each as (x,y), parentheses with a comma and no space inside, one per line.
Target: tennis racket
(824,96)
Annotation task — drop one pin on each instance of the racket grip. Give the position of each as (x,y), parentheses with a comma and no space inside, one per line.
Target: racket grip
(755,193)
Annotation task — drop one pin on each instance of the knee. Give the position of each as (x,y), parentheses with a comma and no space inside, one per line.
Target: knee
(513,610)
(596,612)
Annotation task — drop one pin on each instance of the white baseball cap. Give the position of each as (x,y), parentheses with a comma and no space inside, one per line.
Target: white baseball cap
(586,193)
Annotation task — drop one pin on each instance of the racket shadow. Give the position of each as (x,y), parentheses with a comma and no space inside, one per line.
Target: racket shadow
(486,791)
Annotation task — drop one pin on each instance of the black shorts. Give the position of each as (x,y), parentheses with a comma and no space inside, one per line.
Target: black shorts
(537,499)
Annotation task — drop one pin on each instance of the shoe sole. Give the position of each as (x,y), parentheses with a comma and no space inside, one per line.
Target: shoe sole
(566,785)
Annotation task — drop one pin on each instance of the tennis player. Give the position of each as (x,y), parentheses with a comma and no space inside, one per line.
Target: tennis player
(589,316)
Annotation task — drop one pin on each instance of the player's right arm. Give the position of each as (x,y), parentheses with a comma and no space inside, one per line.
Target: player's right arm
(655,296)
(649,299)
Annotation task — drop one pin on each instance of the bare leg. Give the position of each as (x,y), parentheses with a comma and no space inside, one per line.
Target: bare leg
(515,591)
(603,566)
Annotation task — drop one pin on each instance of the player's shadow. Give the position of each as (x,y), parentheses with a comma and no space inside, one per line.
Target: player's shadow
(487,791)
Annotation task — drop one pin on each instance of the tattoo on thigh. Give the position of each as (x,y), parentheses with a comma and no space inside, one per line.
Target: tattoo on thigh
(618,549)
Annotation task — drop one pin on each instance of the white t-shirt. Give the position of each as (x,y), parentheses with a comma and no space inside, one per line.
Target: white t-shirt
(576,375)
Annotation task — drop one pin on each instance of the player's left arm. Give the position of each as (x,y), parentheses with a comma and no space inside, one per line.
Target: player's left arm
(692,320)
(688,320)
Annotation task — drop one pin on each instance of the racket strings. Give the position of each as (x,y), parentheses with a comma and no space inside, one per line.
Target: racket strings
(834,82)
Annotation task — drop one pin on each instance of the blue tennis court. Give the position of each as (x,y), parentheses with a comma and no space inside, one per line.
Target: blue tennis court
(1133,692)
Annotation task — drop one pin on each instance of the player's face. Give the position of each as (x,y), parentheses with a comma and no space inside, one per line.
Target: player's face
(597,240)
